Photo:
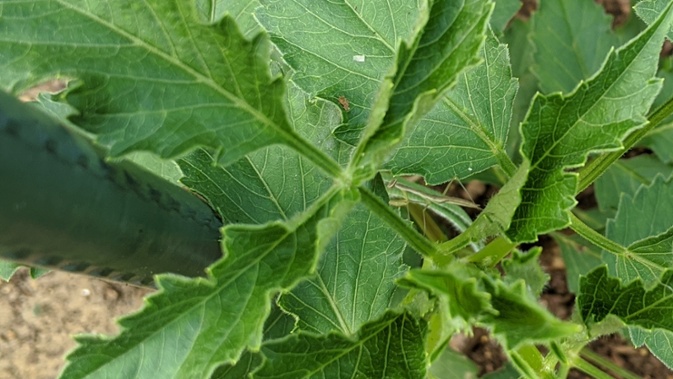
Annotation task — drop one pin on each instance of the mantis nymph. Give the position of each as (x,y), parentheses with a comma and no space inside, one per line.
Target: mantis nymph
(418,199)
(422,192)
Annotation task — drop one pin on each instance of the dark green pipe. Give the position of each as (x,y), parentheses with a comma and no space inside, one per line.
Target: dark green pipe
(63,207)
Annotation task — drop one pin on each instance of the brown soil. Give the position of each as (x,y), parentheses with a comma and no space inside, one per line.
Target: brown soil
(39,317)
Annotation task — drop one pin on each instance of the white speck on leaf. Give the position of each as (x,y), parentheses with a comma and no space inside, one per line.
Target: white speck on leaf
(359,58)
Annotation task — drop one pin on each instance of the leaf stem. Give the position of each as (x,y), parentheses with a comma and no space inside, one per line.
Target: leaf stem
(594,237)
(597,167)
(590,369)
(608,364)
(315,155)
(410,235)
(508,167)
(493,253)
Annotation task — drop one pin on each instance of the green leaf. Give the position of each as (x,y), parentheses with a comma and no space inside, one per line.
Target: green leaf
(658,341)
(354,283)
(626,176)
(564,55)
(212,11)
(579,256)
(643,224)
(275,183)
(466,132)
(278,325)
(560,131)
(503,12)
(355,279)
(144,69)
(496,217)
(459,291)
(449,43)
(242,369)
(519,318)
(507,372)
(391,347)
(649,11)
(521,57)
(191,326)
(526,267)
(451,364)
(8,269)
(342,48)
(629,29)
(509,310)
(660,140)
(164,168)
(601,296)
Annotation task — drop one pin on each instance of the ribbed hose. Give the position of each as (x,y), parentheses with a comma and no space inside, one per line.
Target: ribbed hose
(63,207)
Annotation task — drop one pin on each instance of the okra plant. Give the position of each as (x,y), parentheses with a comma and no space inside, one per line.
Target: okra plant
(303,123)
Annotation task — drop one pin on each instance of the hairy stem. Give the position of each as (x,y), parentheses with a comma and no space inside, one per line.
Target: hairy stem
(594,237)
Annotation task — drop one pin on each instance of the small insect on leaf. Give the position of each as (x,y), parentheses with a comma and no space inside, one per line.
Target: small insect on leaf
(344,103)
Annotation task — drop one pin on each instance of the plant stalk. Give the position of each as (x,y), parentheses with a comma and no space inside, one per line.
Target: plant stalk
(409,234)
(493,253)
(594,237)
(590,369)
(589,173)
(608,364)
(317,157)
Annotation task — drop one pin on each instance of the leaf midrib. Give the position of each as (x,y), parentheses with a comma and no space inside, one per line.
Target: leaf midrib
(199,78)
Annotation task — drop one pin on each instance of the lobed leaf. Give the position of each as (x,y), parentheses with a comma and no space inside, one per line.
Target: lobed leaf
(628,175)
(496,218)
(341,48)
(526,266)
(457,287)
(152,77)
(560,131)
(520,319)
(466,132)
(391,347)
(660,140)
(521,57)
(579,256)
(658,341)
(563,54)
(425,69)
(643,224)
(601,296)
(355,282)
(212,11)
(191,326)
(503,12)
(277,325)
(508,309)
(649,11)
